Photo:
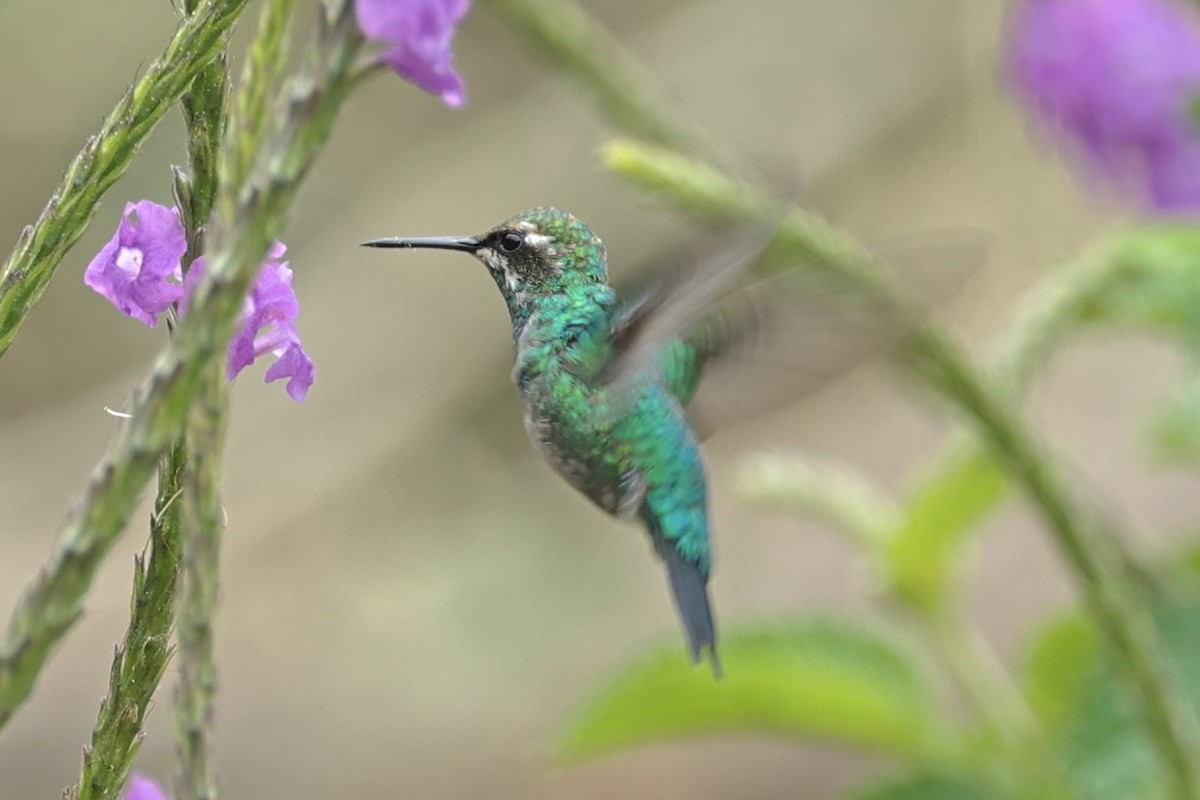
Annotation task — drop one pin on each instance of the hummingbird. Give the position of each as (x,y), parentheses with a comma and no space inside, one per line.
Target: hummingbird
(604,383)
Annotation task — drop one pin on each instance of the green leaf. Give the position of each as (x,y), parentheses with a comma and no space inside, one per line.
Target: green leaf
(1104,744)
(1175,431)
(818,679)
(920,555)
(1063,655)
(930,786)
(1185,559)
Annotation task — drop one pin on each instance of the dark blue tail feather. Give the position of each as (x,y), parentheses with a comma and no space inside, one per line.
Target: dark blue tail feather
(689,586)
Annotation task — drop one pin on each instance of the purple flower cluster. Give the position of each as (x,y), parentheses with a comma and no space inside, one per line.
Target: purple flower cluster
(419,34)
(1121,78)
(140,272)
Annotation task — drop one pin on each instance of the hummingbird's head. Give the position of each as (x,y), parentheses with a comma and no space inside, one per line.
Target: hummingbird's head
(539,252)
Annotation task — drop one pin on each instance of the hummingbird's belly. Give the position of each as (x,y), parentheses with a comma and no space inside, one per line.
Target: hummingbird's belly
(585,456)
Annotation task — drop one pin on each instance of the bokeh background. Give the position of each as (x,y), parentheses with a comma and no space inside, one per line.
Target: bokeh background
(411,600)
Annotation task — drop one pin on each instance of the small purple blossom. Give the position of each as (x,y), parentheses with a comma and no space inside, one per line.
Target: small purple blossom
(142,788)
(419,33)
(138,270)
(1122,77)
(267,325)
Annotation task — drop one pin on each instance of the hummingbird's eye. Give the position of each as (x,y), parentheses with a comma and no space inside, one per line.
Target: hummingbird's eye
(511,242)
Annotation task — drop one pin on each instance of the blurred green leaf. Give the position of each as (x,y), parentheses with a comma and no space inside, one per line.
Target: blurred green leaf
(1063,655)
(919,556)
(930,786)
(1104,744)
(819,679)
(1175,431)
(1186,558)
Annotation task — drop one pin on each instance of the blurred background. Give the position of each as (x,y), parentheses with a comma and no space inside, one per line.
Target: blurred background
(411,600)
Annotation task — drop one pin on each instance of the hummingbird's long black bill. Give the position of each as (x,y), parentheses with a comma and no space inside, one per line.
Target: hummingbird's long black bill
(466,244)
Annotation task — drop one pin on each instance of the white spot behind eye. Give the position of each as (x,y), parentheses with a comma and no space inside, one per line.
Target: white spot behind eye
(538,239)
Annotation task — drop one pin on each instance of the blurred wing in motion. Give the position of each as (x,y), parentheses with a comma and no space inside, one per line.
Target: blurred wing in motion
(670,308)
(731,348)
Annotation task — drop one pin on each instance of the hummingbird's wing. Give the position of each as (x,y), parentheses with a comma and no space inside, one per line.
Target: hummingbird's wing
(761,344)
(669,309)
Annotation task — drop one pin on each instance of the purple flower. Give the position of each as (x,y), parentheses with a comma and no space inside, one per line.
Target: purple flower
(419,33)
(267,325)
(138,270)
(1122,77)
(142,788)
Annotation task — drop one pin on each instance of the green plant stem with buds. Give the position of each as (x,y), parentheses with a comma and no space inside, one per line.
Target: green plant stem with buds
(195,695)
(243,227)
(103,159)
(142,657)
(205,111)
(141,660)
(251,117)
(1093,553)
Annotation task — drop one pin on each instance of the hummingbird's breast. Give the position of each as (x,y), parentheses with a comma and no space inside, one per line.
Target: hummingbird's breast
(568,413)
(568,425)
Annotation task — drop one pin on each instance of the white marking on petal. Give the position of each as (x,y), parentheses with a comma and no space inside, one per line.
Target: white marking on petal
(129,261)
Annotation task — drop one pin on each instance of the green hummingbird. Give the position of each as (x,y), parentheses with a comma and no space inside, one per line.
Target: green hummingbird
(604,383)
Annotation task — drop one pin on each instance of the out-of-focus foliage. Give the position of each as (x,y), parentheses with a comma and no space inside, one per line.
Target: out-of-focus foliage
(920,555)
(931,786)
(824,679)
(1076,731)
(1059,659)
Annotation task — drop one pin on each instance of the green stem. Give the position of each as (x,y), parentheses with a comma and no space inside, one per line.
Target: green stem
(1095,555)
(1055,307)
(103,159)
(245,225)
(195,695)
(252,117)
(142,657)
(1027,765)
(205,112)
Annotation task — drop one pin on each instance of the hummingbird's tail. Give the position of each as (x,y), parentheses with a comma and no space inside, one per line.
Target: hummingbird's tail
(689,586)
